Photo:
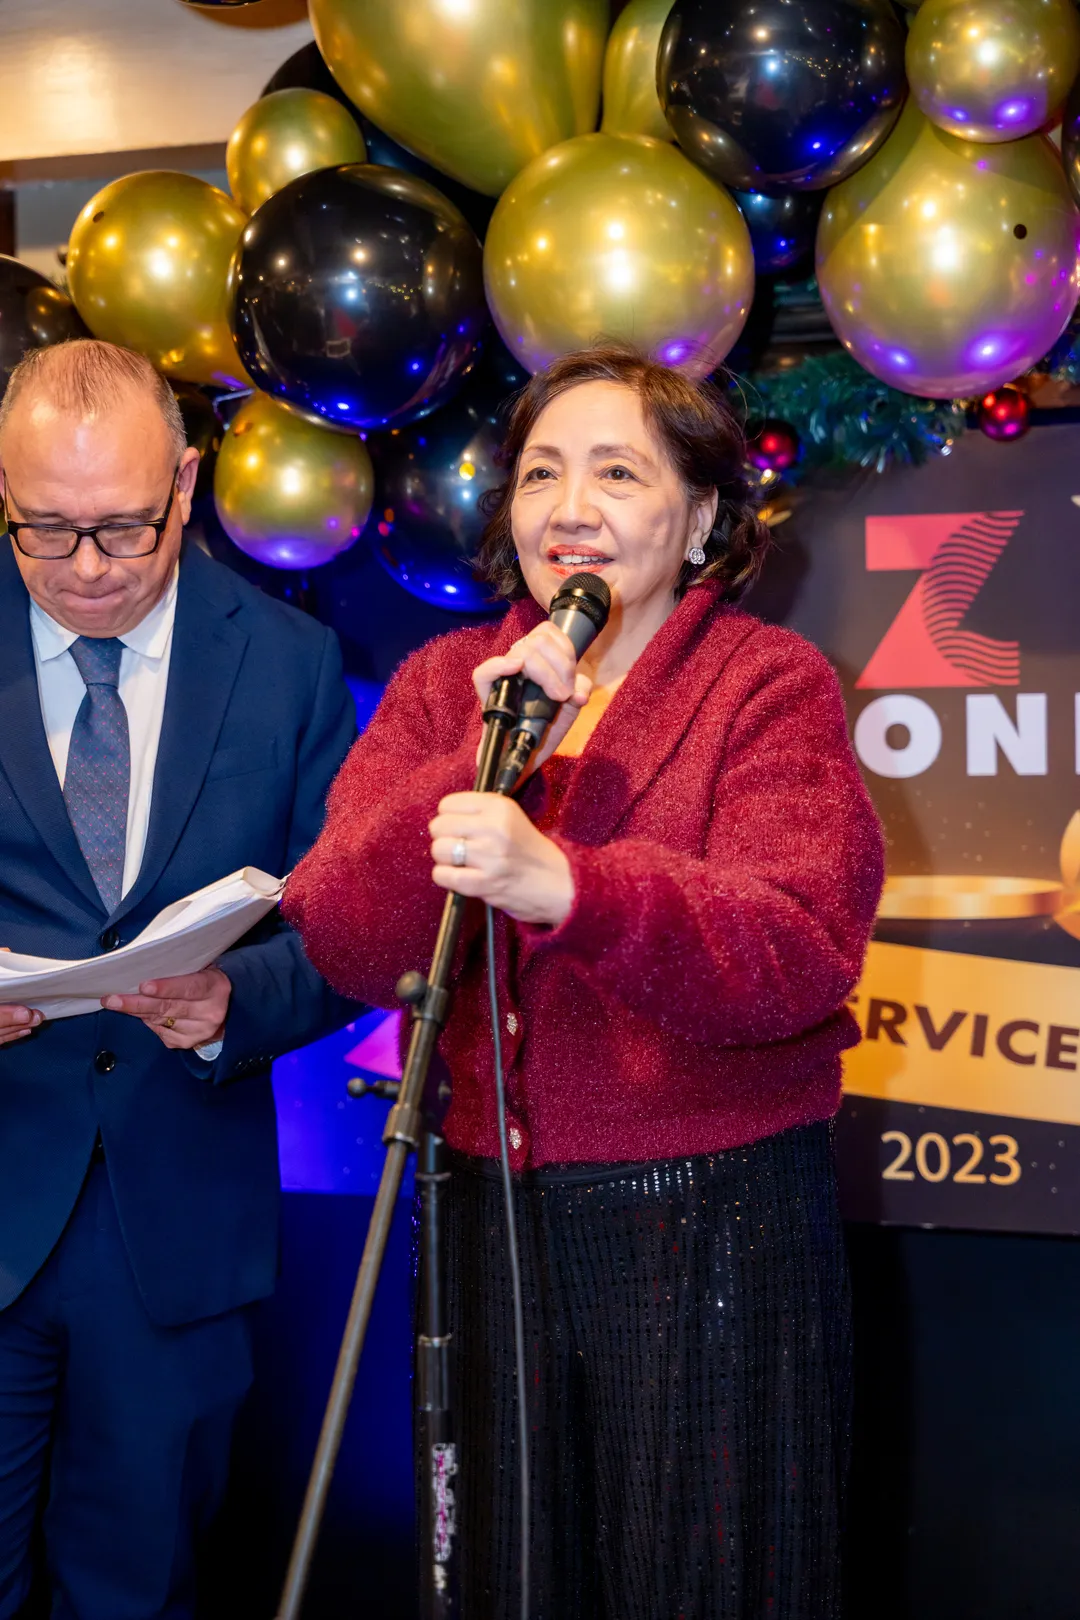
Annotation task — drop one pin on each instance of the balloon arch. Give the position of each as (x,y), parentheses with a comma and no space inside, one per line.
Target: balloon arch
(426,207)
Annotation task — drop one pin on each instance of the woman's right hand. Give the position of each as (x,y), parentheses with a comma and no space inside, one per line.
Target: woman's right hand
(546,655)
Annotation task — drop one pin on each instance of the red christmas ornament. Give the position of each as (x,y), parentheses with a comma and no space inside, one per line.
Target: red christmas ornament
(773,446)
(1005,413)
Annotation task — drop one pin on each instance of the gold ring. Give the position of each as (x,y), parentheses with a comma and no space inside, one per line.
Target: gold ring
(170,1022)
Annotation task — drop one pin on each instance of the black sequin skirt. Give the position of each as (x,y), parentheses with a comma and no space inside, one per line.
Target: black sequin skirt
(688,1349)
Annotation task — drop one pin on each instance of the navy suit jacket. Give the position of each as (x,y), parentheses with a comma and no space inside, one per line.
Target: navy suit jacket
(257,721)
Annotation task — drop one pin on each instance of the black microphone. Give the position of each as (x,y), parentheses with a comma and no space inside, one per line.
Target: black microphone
(580,608)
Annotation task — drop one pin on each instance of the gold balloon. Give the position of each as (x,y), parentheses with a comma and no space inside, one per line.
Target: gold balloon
(147,266)
(286,134)
(477,87)
(288,493)
(993,70)
(631,104)
(948,268)
(618,236)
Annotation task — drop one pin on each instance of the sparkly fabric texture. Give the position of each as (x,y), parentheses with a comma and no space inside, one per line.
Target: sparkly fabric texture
(98,776)
(689,1368)
(726,861)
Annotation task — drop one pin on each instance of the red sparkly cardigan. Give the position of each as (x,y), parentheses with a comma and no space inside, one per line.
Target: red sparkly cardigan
(727,864)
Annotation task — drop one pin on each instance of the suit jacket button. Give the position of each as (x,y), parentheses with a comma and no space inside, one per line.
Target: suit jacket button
(105,1062)
(110,939)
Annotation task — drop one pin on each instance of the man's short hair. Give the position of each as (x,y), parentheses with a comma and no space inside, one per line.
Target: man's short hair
(87,376)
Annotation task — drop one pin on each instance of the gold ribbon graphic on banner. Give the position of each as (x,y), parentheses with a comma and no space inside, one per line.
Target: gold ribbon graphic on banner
(939,896)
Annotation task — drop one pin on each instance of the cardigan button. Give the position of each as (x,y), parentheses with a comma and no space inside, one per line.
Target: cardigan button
(515,1137)
(512,1023)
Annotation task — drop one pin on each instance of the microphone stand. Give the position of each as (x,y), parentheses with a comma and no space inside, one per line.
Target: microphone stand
(412,1126)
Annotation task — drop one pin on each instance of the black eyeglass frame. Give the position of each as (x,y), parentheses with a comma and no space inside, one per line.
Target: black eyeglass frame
(159,525)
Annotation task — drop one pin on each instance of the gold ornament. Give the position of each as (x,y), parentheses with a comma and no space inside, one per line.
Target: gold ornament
(948,896)
(631,104)
(286,134)
(147,266)
(618,236)
(934,896)
(993,70)
(288,493)
(477,87)
(948,268)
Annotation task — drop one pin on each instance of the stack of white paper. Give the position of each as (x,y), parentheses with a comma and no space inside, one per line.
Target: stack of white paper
(184,938)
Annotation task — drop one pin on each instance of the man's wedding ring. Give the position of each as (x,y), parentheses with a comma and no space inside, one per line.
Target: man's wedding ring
(459,853)
(170,1022)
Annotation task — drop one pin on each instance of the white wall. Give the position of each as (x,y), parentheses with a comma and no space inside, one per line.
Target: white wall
(84,77)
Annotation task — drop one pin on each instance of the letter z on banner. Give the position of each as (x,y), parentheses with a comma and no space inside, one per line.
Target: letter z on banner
(924,645)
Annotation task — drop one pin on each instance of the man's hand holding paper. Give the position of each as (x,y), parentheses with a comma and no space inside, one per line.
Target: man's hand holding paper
(15,1022)
(184,1012)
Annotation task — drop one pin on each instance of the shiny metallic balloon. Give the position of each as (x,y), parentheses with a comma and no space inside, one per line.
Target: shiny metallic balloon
(33,315)
(288,493)
(476,87)
(781,228)
(283,136)
(618,236)
(946,267)
(781,95)
(306,70)
(993,70)
(631,104)
(429,479)
(358,296)
(148,265)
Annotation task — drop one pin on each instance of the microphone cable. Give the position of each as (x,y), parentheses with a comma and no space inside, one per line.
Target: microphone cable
(515,1268)
(580,608)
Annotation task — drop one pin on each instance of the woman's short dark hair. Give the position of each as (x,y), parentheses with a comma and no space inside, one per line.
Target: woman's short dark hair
(699,431)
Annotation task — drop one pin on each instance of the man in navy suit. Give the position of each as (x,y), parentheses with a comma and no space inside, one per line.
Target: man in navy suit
(162,723)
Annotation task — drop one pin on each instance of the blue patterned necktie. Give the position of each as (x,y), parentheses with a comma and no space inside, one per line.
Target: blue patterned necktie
(99,766)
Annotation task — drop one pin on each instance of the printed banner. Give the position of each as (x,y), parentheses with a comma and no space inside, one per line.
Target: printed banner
(948,597)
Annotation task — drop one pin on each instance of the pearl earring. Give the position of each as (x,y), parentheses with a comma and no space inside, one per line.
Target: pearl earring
(696,556)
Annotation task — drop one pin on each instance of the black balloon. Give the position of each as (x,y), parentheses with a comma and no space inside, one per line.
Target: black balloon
(204,430)
(358,296)
(33,315)
(429,478)
(501,374)
(782,229)
(781,95)
(306,70)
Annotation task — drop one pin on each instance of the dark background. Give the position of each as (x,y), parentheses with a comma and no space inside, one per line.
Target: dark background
(966,1482)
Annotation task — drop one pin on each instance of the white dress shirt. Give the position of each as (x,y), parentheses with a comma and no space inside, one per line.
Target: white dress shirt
(144,679)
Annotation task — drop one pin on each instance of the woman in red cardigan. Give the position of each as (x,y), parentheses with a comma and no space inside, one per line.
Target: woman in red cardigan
(686,885)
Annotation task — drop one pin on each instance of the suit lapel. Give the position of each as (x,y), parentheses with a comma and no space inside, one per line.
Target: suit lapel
(651,713)
(207,650)
(24,748)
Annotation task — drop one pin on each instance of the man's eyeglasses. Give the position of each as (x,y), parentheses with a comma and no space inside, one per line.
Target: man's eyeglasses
(53,542)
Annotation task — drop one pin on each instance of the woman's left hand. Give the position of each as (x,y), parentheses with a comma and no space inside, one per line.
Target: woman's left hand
(507,862)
